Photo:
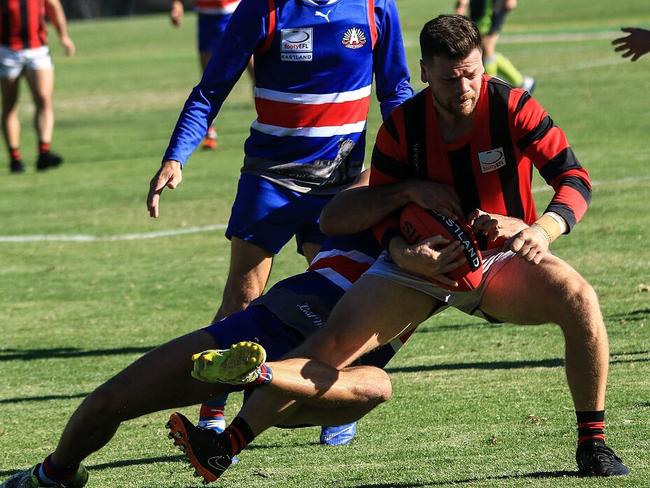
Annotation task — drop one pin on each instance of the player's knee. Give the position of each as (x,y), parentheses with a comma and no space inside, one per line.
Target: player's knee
(102,405)
(375,387)
(581,303)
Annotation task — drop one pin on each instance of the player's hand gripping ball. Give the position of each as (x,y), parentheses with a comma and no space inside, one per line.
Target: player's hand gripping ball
(417,223)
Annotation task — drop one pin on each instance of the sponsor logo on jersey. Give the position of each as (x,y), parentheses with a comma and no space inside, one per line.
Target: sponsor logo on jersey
(491,160)
(297,44)
(354,38)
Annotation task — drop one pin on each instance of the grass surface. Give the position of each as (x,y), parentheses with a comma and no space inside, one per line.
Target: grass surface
(474,405)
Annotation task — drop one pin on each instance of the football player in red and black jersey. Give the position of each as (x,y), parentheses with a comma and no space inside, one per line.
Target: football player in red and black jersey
(24,51)
(478,140)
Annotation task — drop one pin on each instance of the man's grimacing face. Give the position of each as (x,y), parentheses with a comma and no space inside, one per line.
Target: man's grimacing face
(455,84)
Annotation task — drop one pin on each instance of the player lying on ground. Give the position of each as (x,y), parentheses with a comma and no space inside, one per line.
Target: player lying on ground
(280,320)
(482,137)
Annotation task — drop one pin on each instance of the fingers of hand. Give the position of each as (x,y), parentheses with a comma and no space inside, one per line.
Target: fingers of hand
(517,243)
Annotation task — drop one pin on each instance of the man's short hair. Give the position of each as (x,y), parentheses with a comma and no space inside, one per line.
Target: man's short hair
(449,36)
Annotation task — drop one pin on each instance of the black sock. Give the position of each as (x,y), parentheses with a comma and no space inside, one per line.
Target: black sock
(239,435)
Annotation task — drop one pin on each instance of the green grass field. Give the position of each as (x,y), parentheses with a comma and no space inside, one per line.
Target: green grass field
(474,405)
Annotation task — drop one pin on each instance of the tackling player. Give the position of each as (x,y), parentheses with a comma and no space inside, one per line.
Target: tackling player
(24,51)
(483,138)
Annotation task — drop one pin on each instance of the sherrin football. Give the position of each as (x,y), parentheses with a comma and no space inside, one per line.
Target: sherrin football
(417,223)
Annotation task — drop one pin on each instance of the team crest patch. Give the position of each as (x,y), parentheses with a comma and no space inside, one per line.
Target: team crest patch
(354,38)
(491,160)
(297,44)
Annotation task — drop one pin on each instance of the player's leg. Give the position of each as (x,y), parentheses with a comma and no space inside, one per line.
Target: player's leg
(373,312)
(552,291)
(250,267)
(309,391)
(11,123)
(158,380)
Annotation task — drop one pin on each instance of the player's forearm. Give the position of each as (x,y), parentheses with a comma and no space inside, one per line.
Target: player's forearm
(359,209)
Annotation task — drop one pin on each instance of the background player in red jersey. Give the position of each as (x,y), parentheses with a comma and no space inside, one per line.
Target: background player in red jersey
(24,51)
(482,138)
(212,18)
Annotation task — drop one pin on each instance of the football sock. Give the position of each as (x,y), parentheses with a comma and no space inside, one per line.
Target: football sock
(265,376)
(490,65)
(507,71)
(591,426)
(211,415)
(49,474)
(43,147)
(237,435)
(14,154)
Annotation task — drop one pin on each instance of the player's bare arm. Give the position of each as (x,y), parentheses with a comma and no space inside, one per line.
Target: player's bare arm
(57,16)
(169,175)
(429,258)
(358,209)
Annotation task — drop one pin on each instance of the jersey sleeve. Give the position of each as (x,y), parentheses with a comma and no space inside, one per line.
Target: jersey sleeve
(389,59)
(546,145)
(246,30)
(390,165)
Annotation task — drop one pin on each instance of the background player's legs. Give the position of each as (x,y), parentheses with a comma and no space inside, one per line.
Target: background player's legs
(552,291)
(10,122)
(41,84)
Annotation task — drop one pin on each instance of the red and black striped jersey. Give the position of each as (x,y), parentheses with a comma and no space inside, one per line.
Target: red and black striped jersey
(22,24)
(491,166)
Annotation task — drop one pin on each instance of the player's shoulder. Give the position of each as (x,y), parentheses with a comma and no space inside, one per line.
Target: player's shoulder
(515,98)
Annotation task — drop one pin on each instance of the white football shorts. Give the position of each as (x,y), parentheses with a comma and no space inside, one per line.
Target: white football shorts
(467,302)
(12,63)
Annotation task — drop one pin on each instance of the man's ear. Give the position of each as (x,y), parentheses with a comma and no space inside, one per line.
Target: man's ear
(423,72)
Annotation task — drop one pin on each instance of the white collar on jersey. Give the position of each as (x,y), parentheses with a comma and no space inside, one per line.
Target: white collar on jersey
(314,3)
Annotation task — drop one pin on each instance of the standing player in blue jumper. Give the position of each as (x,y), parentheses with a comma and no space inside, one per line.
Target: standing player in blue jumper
(314,66)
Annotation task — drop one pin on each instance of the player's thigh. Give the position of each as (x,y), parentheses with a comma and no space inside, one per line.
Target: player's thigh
(372,313)
(521,292)
(41,84)
(160,379)
(10,90)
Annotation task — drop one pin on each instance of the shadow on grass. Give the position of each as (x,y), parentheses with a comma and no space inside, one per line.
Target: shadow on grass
(117,464)
(67,352)
(633,315)
(44,398)
(538,363)
(538,474)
